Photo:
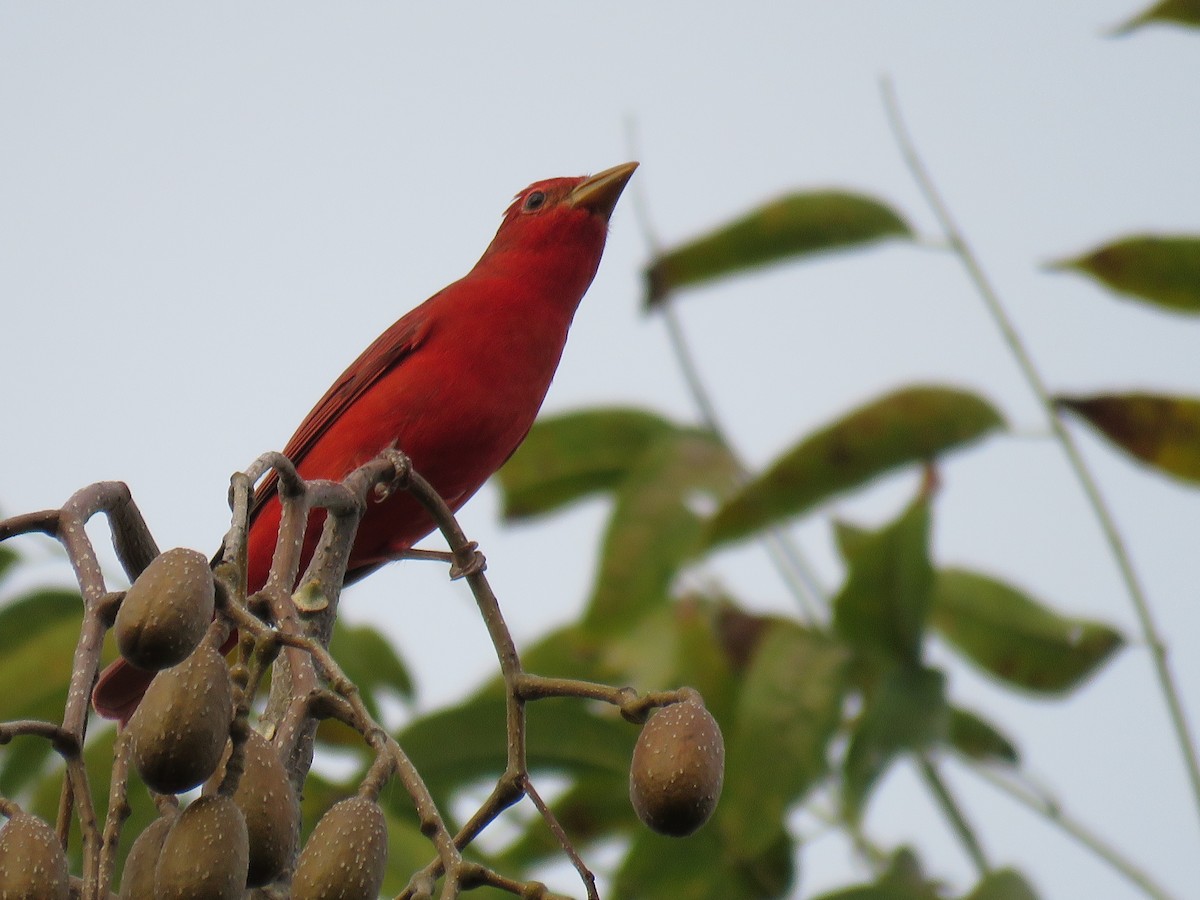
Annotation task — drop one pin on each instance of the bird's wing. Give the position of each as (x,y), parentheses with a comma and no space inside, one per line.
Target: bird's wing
(385,353)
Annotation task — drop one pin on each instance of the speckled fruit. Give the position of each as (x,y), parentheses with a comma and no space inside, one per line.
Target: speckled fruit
(32,863)
(346,854)
(265,796)
(206,853)
(180,728)
(677,769)
(137,880)
(166,611)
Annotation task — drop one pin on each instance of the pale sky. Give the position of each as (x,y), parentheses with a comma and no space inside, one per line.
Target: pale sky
(206,211)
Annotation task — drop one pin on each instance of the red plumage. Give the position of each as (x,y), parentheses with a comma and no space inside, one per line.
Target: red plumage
(455,384)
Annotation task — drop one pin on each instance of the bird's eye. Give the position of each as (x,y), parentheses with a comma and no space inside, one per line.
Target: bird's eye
(534,201)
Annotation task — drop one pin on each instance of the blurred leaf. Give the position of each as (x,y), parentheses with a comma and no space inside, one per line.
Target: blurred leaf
(850,539)
(408,852)
(594,808)
(36,611)
(1171,12)
(8,559)
(795,225)
(1014,637)
(700,867)
(38,672)
(1003,884)
(370,662)
(701,658)
(1163,271)
(907,712)
(460,745)
(21,763)
(739,633)
(911,425)
(672,646)
(977,739)
(884,605)
(567,457)
(569,652)
(790,707)
(655,527)
(903,880)
(1161,431)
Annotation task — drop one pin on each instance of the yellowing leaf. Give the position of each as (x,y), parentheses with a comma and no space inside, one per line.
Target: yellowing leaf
(1171,12)
(1161,431)
(1161,270)
(795,225)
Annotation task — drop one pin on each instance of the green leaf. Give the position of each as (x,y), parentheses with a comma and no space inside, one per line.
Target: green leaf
(1163,432)
(792,226)
(654,527)
(32,613)
(883,606)
(38,673)
(567,457)
(850,539)
(8,559)
(408,852)
(911,425)
(370,662)
(702,657)
(790,707)
(1016,638)
(700,867)
(1171,12)
(903,880)
(979,740)
(1003,884)
(906,712)
(1163,271)
(458,746)
(595,808)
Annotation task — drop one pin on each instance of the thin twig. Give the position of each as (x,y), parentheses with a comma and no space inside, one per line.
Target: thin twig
(794,569)
(1052,812)
(953,813)
(1083,474)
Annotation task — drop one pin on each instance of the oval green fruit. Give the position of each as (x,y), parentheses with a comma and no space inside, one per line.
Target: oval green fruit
(32,863)
(346,855)
(137,879)
(678,768)
(180,728)
(206,853)
(265,796)
(166,611)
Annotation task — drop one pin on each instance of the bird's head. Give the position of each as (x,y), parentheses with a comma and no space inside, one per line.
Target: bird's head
(567,217)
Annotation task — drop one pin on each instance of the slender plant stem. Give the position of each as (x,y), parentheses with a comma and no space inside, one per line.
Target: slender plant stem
(1051,811)
(793,568)
(1087,481)
(954,814)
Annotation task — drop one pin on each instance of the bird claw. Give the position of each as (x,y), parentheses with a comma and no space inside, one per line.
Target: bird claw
(402,467)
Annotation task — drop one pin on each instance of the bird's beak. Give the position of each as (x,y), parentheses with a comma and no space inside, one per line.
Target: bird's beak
(599,194)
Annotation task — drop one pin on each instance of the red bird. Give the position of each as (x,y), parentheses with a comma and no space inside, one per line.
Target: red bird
(456,384)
